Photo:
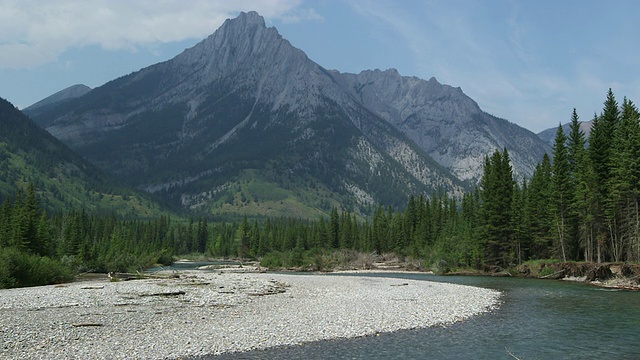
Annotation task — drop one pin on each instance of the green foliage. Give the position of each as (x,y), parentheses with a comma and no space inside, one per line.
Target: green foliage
(497,199)
(290,259)
(19,268)
(562,194)
(583,205)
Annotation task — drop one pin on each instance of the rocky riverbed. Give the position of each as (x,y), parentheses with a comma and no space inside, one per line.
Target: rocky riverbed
(198,313)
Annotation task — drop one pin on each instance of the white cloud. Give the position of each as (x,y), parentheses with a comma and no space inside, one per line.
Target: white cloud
(35,32)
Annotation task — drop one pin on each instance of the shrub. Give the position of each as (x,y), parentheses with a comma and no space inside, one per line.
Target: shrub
(272,260)
(546,271)
(18,268)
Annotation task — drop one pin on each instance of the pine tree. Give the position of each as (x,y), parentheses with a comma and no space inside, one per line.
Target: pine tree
(519,223)
(624,185)
(334,228)
(6,214)
(497,198)
(44,236)
(583,204)
(600,148)
(539,210)
(561,192)
(20,224)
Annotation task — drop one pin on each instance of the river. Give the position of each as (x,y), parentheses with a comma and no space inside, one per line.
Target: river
(539,319)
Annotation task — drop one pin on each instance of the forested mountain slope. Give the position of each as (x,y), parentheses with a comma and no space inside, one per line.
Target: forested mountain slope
(243,122)
(64,180)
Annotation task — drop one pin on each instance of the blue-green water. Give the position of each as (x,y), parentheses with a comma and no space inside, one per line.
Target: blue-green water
(538,319)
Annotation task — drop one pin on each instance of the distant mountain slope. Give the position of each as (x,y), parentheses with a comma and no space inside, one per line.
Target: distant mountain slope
(69,93)
(549,135)
(444,122)
(64,180)
(243,121)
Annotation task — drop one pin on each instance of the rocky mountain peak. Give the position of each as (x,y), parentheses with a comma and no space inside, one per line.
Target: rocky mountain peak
(233,43)
(245,101)
(248,19)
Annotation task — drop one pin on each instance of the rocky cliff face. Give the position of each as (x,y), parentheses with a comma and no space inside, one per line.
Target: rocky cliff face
(244,112)
(549,135)
(444,122)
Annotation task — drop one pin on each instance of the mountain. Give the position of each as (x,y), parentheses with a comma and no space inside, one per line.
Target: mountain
(64,180)
(243,122)
(447,124)
(549,135)
(71,92)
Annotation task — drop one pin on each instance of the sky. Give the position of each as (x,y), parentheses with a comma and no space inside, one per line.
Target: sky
(530,62)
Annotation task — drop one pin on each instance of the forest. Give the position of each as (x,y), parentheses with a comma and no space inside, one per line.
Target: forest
(581,204)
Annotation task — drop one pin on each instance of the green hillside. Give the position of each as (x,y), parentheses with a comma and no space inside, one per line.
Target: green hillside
(63,180)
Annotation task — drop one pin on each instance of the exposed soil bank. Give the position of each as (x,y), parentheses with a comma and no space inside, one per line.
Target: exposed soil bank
(616,275)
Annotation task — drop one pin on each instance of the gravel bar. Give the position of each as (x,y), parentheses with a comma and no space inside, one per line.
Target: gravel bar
(202,313)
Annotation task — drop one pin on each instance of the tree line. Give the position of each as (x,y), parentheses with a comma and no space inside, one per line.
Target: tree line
(582,203)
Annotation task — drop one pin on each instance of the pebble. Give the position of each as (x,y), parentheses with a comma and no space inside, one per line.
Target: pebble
(204,313)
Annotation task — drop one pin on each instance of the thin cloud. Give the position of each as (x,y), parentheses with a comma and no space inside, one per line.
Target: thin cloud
(33,33)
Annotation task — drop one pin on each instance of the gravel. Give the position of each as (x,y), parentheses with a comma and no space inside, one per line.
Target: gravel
(212,313)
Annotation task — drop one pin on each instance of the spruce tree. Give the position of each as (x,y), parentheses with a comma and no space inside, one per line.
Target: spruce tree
(624,185)
(539,211)
(600,148)
(583,203)
(497,198)
(562,196)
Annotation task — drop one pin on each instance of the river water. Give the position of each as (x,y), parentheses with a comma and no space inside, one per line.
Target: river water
(538,319)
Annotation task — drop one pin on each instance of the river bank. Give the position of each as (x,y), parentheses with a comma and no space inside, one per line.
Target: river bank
(199,313)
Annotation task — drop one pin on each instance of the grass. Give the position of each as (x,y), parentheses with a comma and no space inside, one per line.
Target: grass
(538,267)
(255,195)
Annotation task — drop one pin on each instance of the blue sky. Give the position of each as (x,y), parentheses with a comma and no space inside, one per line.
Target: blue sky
(530,62)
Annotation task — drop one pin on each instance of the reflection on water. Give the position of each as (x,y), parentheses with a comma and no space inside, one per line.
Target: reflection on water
(539,319)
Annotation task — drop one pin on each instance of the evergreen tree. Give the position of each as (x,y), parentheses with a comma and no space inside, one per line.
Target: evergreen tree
(538,211)
(562,192)
(334,228)
(624,186)
(497,198)
(6,214)
(44,234)
(202,235)
(584,202)
(519,222)
(600,148)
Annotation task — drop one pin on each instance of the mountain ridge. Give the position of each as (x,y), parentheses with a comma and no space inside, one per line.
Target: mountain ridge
(549,135)
(244,100)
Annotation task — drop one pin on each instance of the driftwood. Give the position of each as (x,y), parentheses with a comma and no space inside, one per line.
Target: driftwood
(274,291)
(92,287)
(552,276)
(403,284)
(167,293)
(115,276)
(86,324)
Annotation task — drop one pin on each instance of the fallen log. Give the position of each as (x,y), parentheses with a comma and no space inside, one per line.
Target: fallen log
(166,293)
(555,275)
(92,287)
(86,324)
